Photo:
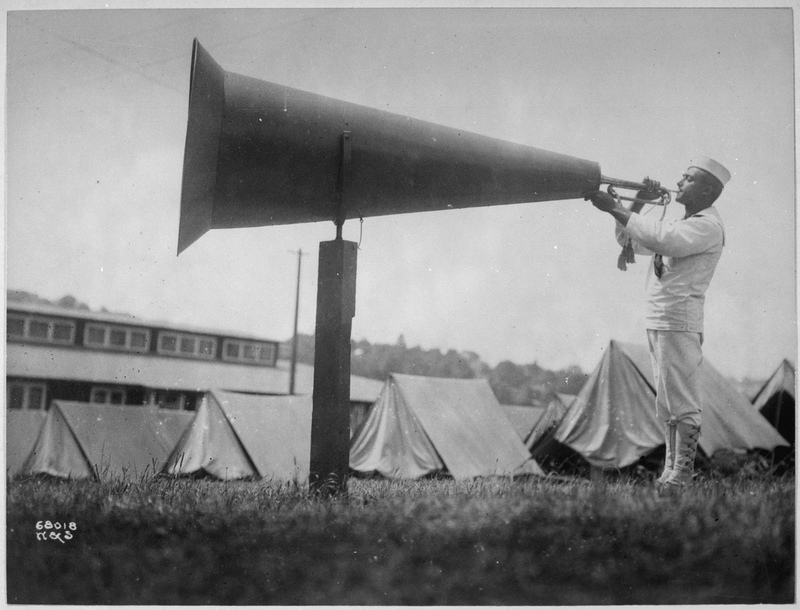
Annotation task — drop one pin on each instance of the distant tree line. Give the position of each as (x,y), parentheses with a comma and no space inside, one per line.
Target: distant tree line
(513,384)
(22,296)
(67,301)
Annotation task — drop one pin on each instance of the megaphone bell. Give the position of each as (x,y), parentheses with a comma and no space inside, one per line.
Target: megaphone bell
(258,153)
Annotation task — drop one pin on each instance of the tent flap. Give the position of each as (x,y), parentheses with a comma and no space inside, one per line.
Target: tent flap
(776,401)
(391,440)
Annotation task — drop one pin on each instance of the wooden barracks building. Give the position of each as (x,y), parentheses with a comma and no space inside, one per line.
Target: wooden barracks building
(61,353)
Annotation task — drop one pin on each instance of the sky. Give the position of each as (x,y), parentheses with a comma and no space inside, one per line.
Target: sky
(96,115)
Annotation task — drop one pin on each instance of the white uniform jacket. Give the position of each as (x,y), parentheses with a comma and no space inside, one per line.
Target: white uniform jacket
(691,248)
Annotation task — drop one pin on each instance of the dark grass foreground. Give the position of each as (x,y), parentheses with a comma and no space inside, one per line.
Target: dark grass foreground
(430,542)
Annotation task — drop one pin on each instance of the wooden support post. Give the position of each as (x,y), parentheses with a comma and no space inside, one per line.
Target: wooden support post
(330,417)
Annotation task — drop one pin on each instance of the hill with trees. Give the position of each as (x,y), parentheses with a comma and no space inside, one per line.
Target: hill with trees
(512,383)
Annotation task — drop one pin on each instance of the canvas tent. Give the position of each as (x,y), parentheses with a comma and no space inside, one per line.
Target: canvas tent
(613,422)
(236,436)
(548,452)
(422,425)
(554,412)
(22,428)
(523,418)
(79,440)
(776,400)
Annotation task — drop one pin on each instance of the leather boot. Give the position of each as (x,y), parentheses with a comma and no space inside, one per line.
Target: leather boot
(669,456)
(687,436)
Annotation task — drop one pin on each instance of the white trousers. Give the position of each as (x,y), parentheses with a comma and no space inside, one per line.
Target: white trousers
(676,357)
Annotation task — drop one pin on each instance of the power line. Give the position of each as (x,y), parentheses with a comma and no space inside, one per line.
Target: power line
(173,55)
(122,67)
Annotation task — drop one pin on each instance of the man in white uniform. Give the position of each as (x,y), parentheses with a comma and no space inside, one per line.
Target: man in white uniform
(685,253)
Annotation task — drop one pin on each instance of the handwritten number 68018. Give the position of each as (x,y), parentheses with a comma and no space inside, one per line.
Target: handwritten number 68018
(55,530)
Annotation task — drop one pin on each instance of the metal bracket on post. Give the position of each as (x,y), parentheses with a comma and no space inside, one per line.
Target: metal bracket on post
(344,179)
(336,298)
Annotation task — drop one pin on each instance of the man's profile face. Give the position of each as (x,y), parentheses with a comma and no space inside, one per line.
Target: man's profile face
(690,186)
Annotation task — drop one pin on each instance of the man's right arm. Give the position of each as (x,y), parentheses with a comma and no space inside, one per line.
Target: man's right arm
(622,235)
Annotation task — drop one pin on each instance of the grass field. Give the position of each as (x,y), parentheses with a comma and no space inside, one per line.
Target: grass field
(429,542)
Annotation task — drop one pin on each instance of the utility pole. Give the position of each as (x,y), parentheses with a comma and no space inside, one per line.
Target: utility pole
(296,314)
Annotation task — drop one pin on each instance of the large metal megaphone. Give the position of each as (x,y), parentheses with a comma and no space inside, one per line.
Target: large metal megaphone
(259,153)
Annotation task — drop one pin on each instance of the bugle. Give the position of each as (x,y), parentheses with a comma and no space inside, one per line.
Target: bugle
(664,194)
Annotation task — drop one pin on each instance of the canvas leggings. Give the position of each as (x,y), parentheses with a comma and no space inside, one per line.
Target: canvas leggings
(676,357)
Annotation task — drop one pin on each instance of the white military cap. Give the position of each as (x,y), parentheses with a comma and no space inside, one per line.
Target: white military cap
(712,167)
